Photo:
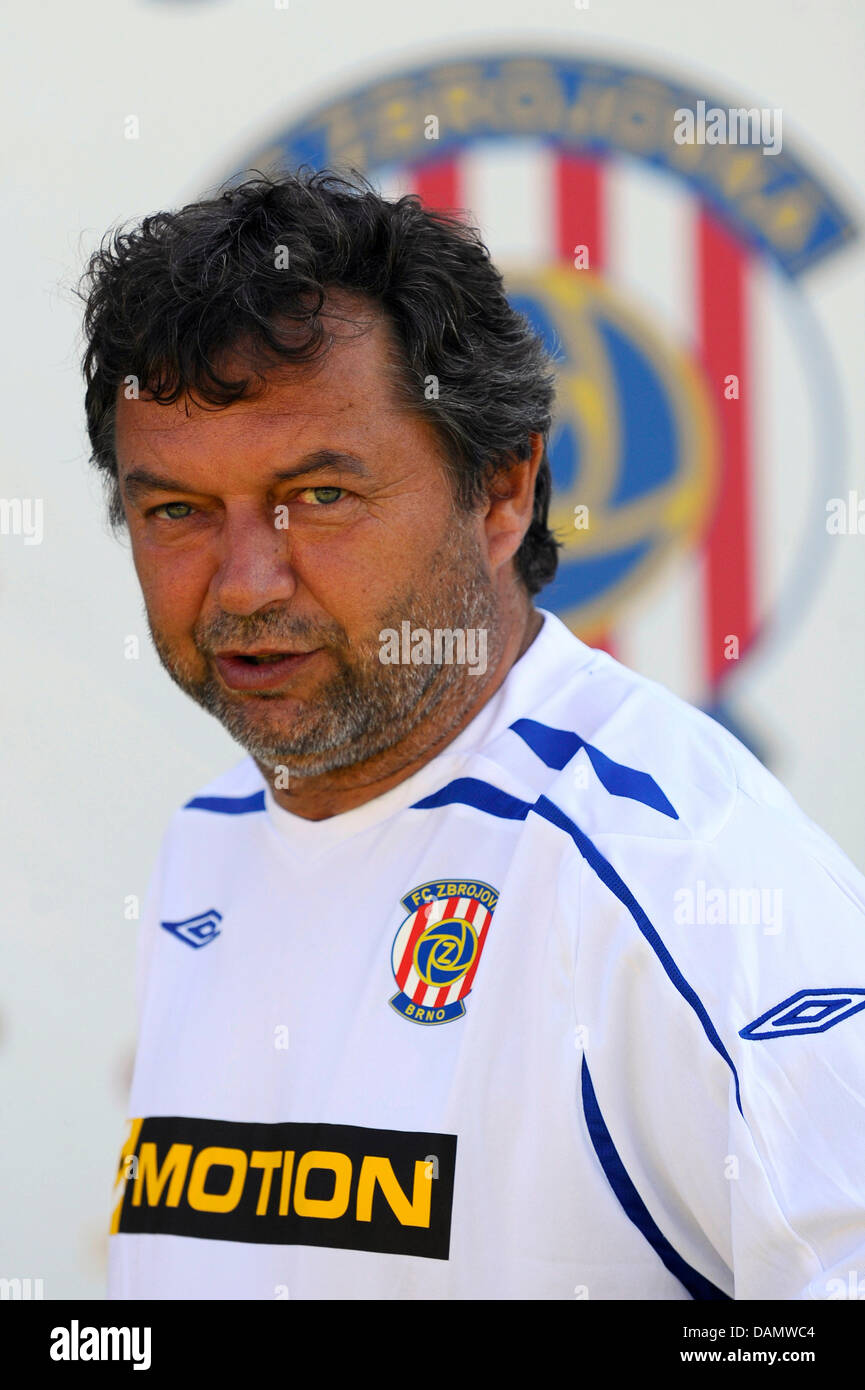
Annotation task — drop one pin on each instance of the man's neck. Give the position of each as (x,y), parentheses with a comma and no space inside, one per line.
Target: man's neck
(319,798)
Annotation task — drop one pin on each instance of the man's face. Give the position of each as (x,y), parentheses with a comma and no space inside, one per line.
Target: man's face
(241,565)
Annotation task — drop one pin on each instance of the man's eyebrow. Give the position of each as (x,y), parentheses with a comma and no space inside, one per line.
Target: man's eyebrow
(320,459)
(139,480)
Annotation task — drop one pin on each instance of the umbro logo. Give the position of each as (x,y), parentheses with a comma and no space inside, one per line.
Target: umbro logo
(197,931)
(807,1011)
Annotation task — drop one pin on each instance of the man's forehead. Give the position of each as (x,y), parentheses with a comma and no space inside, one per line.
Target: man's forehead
(354,375)
(174,420)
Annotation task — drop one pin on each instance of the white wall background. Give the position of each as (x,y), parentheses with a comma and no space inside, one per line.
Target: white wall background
(99,750)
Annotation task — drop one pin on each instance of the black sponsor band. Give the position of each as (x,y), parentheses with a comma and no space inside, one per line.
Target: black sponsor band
(340,1186)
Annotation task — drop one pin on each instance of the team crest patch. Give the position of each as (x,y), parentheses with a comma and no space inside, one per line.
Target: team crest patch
(437,949)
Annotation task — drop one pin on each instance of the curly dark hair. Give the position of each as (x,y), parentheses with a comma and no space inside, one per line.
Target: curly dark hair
(167,300)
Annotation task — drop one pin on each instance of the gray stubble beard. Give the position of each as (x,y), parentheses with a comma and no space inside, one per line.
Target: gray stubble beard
(367,707)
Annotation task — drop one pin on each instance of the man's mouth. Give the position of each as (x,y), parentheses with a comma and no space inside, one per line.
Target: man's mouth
(256,658)
(259,669)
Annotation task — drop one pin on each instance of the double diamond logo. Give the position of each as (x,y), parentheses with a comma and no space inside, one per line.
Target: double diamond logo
(807,1011)
(197,931)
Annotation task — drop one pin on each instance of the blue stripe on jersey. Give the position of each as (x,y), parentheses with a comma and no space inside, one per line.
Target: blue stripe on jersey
(471,791)
(698,1286)
(227,805)
(556,747)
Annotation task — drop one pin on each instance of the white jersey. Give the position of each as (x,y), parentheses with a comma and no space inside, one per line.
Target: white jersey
(575,1011)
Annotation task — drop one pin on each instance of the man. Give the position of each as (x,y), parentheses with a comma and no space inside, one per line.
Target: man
(493,970)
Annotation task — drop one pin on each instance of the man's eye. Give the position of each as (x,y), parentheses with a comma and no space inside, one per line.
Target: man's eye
(328,491)
(172,511)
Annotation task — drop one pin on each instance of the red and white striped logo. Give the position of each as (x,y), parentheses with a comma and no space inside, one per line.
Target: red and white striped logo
(437,950)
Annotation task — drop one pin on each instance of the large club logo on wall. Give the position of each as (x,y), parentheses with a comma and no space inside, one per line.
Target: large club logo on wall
(697,427)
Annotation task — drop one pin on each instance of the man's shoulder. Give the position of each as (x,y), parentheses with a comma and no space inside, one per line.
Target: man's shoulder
(637,766)
(236,791)
(632,758)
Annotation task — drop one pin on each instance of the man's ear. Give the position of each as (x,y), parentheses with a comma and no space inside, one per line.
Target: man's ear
(510,504)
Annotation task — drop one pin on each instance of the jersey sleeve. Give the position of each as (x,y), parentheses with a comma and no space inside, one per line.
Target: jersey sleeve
(722,996)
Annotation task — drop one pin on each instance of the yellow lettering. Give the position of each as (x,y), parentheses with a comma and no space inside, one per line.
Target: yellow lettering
(463,97)
(126,1153)
(744,171)
(285,1185)
(267,1160)
(397,120)
(235,1159)
(153,1179)
(330,1208)
(408,1213)
(786,217)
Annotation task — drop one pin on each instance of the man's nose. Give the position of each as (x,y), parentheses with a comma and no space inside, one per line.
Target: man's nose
(254,567)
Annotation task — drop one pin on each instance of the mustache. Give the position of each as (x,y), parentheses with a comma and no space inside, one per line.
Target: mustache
(227,630)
